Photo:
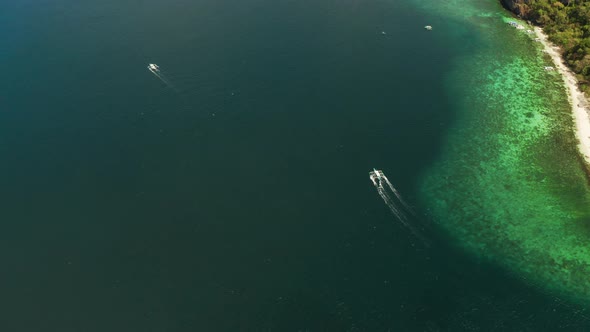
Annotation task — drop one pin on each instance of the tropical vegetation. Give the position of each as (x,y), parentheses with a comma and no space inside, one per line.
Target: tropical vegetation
(567,22)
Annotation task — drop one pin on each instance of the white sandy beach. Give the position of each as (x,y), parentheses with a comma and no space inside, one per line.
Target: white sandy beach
(580,105)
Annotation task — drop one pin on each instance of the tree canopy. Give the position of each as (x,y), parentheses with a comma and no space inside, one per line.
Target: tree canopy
(567,22)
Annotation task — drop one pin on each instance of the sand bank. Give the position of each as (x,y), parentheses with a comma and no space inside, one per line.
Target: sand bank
(580,104)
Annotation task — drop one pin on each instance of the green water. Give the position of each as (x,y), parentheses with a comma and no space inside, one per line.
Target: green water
(240,199)
(509,183)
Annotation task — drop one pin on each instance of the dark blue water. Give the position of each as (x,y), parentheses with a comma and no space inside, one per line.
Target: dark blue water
(238,199)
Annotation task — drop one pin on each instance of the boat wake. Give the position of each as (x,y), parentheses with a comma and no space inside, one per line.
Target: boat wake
(155,69)
(396,204)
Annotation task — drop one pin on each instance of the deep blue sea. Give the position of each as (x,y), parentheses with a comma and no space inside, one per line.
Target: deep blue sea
(237,196)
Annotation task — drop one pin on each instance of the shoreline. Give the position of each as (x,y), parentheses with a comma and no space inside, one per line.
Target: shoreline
(580,105)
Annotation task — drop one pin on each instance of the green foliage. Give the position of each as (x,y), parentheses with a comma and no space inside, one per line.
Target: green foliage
(567,22)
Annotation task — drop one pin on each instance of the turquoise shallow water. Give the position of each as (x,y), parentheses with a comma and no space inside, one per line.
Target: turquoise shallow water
(510,183)
(239,200)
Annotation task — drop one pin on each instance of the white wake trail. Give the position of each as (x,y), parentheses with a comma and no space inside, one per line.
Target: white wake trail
(398,195)
(377,177)
(399,214)
(387,199)
(159,75)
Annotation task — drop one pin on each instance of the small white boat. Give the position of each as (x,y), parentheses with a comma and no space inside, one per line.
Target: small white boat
(153,66)
(549,68)
(376,175)
(428,27)
(383,32)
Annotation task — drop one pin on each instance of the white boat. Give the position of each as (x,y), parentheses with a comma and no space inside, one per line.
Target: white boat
(428,27)
(548,68)
(375,175)
(153,66)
